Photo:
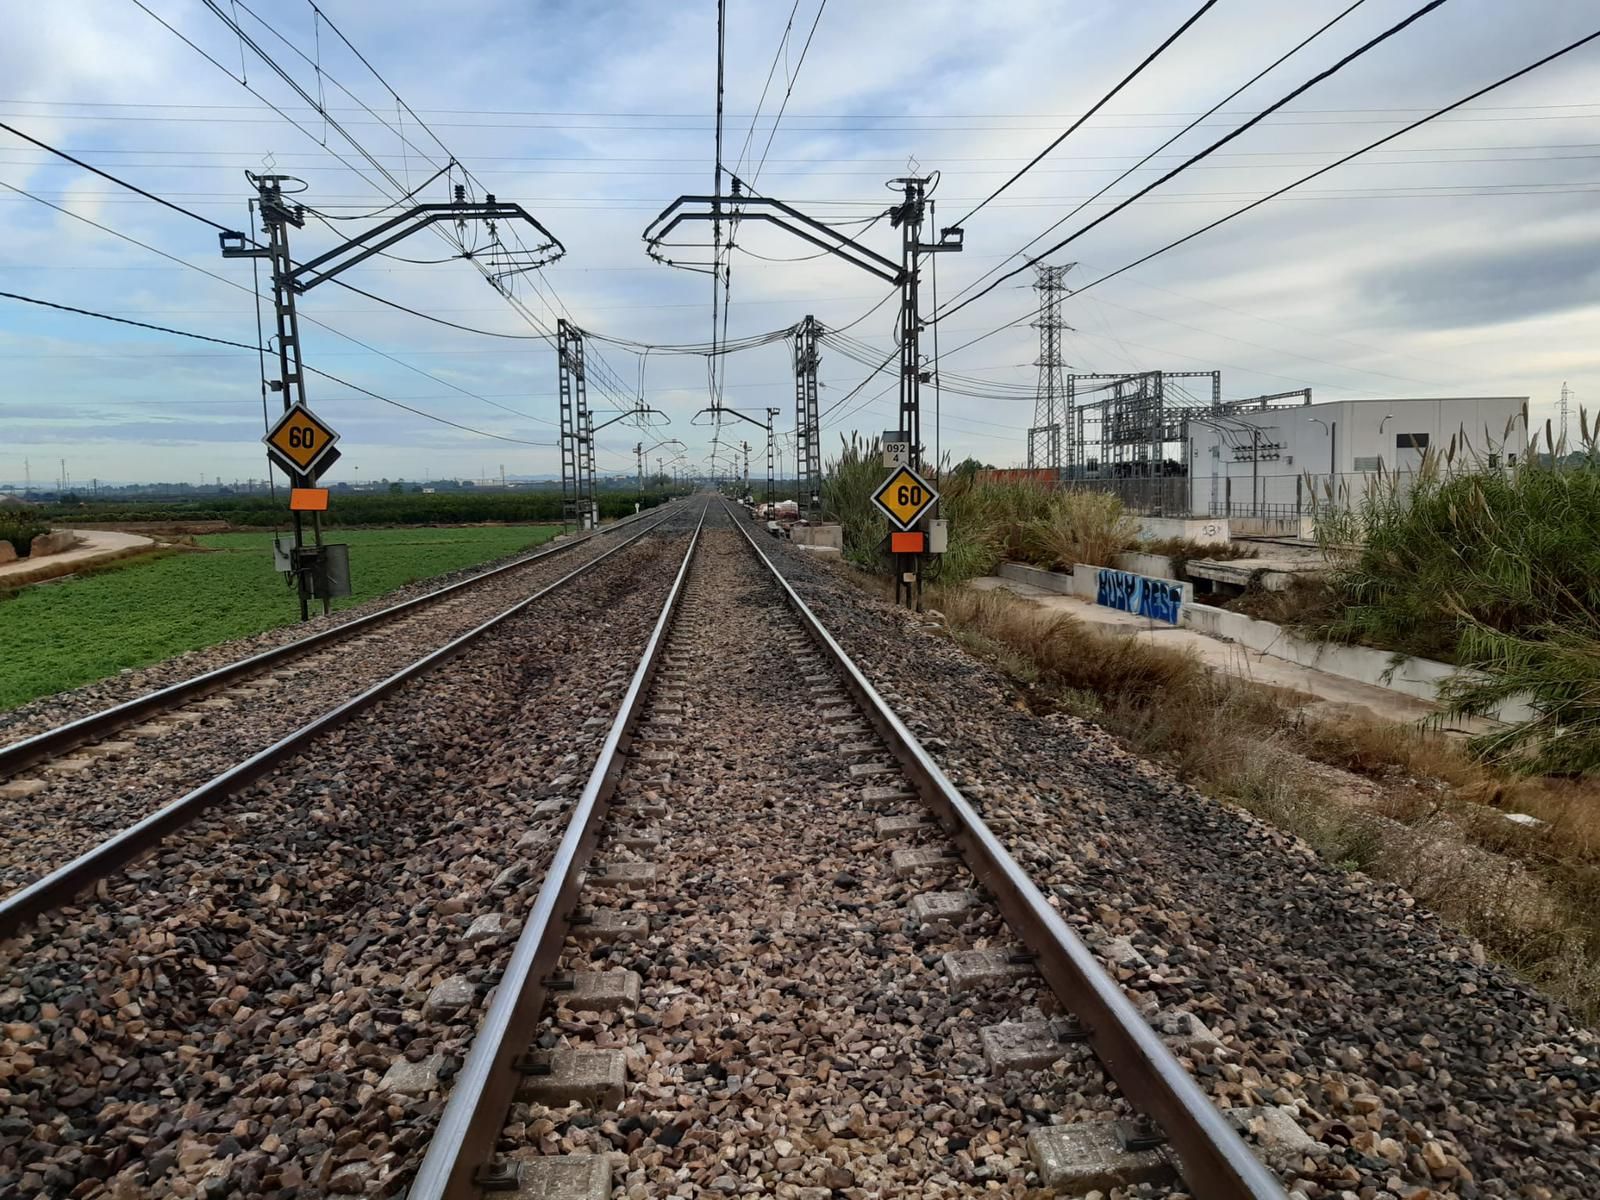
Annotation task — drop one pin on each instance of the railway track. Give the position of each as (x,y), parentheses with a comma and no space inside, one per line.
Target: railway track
(747,939)
(776,951)
(167,754)
(219,1018)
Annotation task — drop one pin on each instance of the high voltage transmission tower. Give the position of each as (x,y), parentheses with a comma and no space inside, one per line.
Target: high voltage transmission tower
(1566,406)
(807,424)
(1048,416)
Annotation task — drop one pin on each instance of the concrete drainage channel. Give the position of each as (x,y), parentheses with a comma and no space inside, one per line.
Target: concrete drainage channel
(777,952)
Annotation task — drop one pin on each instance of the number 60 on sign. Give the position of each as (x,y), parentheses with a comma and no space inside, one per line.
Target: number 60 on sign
(904,497)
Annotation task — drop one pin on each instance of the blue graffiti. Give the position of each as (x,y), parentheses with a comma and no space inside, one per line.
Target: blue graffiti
(1154,598)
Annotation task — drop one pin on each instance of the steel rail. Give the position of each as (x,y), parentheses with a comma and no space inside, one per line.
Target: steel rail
(1213,1159)
(463,1144)
(62,885)
(19,756)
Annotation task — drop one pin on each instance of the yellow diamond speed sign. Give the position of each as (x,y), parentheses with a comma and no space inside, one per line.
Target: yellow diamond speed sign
(300,440)
(904,497)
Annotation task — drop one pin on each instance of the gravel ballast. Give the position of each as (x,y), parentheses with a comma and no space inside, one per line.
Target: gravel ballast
(245,1013)
(59,811)
(798,1033)
(1423,1068)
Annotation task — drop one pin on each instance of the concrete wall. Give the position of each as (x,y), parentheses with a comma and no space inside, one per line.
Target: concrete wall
(1158,566)
(1050,581)
(830,537)
(1289,527)
(1143,595)
(1419,677)
(1213,531)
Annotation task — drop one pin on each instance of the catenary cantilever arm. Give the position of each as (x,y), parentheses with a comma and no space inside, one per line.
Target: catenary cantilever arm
(777,213)
(380,237)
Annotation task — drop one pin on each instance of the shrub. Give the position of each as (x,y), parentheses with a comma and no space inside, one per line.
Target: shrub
(847,489)
(20,528)
(1497,570)
(1080,526)
(990,520)
(355,508)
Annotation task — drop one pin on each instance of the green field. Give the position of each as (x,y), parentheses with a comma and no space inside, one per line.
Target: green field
(58,636)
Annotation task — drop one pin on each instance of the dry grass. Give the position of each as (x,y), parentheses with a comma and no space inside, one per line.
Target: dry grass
(1064,651)
(1402,804)
(1080,527)
(1307,600)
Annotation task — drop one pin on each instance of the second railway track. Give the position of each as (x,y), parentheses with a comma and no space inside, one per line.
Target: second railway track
(220,1018)
(64,789)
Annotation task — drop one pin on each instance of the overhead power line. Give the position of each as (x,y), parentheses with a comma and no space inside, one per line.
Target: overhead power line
(251,291)
(874,167)
(788,91)
(772,70)
(317,107)
(1094,108)
(521,112)
(1339,162)
(194,216)
(1270,67)
(1326,73)
(201,337)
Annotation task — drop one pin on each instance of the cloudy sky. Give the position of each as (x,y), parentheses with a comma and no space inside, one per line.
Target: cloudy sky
(1463,259)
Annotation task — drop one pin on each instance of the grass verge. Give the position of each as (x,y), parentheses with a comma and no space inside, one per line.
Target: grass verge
(1398,803)
(62,635)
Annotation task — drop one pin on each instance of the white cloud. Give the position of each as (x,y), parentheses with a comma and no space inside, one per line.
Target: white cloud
(1360,286)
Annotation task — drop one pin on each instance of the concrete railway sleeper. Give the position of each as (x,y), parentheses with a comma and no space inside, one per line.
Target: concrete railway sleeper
(777,953)
(146,790)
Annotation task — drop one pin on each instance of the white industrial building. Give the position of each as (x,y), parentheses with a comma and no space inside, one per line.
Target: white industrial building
(1272,461)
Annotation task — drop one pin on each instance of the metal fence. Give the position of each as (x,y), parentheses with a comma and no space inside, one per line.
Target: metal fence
(1291,497)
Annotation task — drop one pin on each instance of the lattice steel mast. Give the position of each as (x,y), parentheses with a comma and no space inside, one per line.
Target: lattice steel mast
(1049,413)
(807,424)
(577,429)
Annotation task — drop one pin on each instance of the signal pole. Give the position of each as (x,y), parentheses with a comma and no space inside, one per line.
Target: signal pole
(772,458)
(807,424)
(289,280)
(277,214)
(909,215)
